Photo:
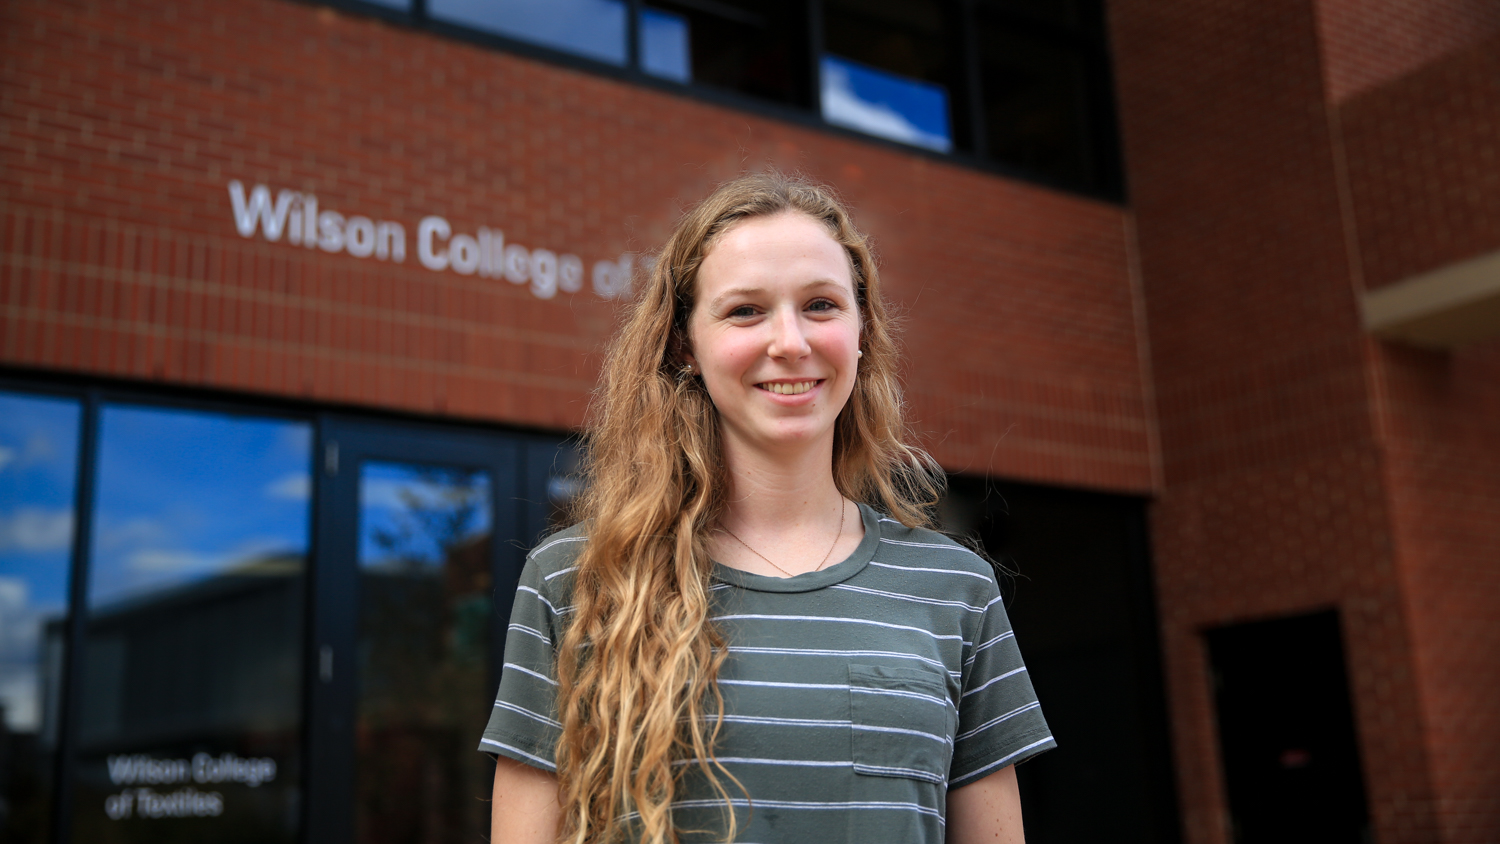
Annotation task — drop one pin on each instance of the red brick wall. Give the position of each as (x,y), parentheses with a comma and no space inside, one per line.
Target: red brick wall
(1440,412)
(1425,191)
(1283,157)
(122,123)
(1367,43)
(1274,500)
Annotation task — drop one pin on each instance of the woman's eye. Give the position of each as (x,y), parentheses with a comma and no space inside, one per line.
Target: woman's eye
(822,305)
(743,311)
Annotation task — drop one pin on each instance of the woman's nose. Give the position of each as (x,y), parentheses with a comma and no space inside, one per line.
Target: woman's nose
(787,337)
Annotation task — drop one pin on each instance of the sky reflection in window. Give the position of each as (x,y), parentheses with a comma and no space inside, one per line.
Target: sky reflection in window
(591,28)
(877,102)
(38,473)
(185,496)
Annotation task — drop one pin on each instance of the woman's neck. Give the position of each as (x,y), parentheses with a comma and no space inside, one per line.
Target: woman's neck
(779,491)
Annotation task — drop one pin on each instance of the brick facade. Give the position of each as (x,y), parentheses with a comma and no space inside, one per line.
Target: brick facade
(1201,344)
(1284,157)
(124,124)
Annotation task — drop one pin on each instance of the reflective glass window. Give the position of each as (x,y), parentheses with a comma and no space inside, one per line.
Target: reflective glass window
(38,475)
(424,632)
(884,104)
(752,47)
(1045,87)
(190,700)
(665,45)
(1036,102)
(594,29)
(1061,13)
(894,68)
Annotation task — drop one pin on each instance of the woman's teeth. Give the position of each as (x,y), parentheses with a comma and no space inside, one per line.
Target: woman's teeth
(789,389)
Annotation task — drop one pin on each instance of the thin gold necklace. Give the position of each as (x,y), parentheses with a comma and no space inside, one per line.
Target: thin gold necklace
(842,509)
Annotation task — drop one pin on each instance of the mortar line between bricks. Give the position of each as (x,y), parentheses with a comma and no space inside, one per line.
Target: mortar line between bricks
(43,317)
(1020,407)
(161,281)
(1119,456)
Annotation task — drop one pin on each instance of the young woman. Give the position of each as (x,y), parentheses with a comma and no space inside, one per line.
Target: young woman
(750,635)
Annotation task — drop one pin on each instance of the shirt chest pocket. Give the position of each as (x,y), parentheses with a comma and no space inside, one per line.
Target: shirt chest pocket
(901,726)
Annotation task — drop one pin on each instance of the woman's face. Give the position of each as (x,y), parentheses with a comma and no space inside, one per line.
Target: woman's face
(774,332)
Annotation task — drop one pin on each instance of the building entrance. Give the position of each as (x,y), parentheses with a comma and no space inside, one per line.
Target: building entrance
(1286,731)
(227,623)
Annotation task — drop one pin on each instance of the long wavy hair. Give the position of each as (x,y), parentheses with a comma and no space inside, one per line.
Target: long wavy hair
(638,666)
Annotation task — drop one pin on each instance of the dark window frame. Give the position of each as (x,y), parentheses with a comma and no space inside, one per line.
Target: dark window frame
(1089,39)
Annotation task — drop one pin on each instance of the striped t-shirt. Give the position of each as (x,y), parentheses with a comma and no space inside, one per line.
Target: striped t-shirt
(855,696)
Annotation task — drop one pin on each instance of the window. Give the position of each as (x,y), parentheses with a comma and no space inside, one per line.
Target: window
(38,480)
(666,45)
(594,29)
(752,48)
(223,666)
(891,68)
(1045,90)
(191,694)
(1022,85)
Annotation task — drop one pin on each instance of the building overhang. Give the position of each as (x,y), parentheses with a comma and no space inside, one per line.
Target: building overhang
(1443,309)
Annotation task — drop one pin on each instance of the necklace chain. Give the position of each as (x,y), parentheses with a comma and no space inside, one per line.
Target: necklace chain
(842,509)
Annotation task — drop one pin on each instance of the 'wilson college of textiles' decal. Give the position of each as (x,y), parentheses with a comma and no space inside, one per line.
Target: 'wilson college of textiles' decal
(296,218)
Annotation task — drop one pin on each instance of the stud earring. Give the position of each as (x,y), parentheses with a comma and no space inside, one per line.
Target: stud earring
(859,353)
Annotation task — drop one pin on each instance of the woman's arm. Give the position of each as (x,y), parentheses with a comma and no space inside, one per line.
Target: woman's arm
(525,809)
(987,811)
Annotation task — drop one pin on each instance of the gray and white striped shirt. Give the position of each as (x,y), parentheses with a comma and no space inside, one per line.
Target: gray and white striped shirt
(855,697)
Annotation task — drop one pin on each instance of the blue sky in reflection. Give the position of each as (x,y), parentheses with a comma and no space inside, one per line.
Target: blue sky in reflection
(38,470)
(878,102)
(185,495)
(592,28)
(665,45)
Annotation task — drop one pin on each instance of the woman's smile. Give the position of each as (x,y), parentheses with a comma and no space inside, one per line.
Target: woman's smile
(791,388)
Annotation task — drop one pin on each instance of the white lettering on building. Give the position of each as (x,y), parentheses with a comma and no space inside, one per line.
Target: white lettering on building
(139,770)
(145,803)
(202,768)
(485,252)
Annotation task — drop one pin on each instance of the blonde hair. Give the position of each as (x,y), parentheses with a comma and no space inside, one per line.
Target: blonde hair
(638,665)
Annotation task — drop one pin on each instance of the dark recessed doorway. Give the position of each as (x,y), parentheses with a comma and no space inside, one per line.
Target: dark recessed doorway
(1078,589)
(1286,732)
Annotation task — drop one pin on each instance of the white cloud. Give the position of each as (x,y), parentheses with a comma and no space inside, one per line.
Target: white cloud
(843,107)
(133,532)
(20,633)
(13,592)
(163,560)
(19,695)
(6,456)
(179,562)
(296,486)
(393,494)
(36,529)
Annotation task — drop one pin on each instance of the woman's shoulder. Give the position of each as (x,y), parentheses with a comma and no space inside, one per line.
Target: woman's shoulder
(929,549)
(557,552)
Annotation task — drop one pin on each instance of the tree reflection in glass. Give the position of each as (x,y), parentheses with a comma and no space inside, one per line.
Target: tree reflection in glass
(425,582)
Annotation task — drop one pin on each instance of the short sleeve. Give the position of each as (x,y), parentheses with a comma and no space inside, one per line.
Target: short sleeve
(523,724)
(1000,721)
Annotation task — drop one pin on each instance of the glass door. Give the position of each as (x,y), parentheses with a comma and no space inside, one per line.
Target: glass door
(188,722)
(422,533)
